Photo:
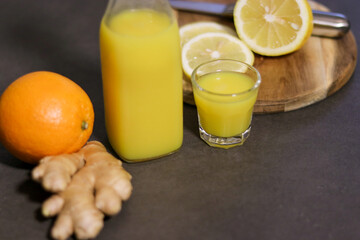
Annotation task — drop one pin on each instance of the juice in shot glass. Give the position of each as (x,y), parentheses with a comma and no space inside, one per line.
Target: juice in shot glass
(225,92)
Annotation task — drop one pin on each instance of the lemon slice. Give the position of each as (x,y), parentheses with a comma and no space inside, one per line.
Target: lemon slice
(273,28)
(191,30)
(210,46)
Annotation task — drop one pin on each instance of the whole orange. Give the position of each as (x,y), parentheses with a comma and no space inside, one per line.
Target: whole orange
(44,113)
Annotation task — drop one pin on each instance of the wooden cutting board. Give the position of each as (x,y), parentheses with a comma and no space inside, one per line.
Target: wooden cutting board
(319,69)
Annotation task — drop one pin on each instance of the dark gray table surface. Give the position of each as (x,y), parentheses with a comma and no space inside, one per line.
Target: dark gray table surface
(297,177)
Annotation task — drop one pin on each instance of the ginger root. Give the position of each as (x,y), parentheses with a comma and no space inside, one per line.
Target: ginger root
(88,185)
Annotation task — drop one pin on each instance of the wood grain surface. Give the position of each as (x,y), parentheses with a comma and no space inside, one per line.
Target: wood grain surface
(319,69)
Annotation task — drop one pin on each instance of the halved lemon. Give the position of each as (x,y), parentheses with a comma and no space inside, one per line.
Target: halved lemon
(273,27)
(210,46)
(191,30)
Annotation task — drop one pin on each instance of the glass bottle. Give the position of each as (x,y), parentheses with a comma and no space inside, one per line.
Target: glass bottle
(142,79)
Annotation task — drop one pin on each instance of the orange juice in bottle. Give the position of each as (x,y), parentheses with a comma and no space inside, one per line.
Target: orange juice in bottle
(142,79)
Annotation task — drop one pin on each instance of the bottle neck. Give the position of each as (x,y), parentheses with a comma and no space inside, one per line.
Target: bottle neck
(116,6)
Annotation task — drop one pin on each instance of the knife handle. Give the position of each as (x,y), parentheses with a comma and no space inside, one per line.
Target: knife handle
(326,24)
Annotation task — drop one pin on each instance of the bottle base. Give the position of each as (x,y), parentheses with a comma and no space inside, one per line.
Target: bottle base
(127,160)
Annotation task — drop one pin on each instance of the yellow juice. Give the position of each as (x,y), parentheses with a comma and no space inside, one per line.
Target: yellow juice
(142,83)
(226,113)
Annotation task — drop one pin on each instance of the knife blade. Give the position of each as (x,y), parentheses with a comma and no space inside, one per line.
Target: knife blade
(326,24)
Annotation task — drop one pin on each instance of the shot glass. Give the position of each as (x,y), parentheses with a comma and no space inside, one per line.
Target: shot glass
(225,92)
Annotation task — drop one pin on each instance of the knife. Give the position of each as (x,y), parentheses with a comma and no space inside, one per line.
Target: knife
(326,24)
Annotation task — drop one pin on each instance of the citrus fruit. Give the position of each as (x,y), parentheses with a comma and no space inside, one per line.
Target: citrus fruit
(191,30)
(210,46)
(273,28)
(44,113)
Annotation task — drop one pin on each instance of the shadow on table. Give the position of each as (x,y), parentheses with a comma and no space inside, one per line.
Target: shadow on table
(11,161)
(190,119)
(31,189)
(35,193)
